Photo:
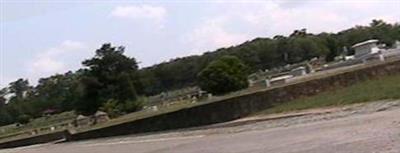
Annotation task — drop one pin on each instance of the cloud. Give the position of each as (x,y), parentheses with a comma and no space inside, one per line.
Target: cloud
(213,33)
(239,22)
(156,13)
(278,20)
(290,3)
(5,80)
(45,64)
(12,10)
(57,59)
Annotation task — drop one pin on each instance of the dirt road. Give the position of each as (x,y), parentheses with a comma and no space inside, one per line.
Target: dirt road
(367,128)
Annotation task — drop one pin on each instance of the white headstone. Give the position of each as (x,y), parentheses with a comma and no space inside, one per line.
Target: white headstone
(209,96)
(267,83)
(381,57)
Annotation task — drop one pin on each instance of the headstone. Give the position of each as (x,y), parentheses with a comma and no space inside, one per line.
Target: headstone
(154,108)
(194,99)
(209,95)
(298,71)
(82,121)
(34,132)
(381,57)
(267,83)
(397,44)
(101,117)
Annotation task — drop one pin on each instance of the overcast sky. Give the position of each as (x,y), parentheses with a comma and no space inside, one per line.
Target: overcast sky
(41,38)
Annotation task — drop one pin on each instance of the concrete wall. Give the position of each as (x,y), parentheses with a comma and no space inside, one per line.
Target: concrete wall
(241,106)
(45,138)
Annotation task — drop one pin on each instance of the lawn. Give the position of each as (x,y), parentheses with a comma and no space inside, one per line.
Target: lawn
(387,87)
(42,124)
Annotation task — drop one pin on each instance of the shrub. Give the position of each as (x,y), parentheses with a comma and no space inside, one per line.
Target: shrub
(224,75)
(132,106)
(112,108)
(23,119)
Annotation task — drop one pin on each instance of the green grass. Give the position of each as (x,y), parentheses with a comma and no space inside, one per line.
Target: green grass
(387,87)
(11,131)
(141,114)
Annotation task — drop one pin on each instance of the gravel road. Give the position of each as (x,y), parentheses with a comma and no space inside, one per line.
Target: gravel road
(362,128)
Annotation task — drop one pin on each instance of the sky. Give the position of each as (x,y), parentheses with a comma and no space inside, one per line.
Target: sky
(43,37)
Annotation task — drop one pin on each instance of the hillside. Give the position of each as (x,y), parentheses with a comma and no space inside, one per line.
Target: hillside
(267,53)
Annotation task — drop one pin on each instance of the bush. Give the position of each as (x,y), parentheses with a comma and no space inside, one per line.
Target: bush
(116,108)
(132,106)
(112,108)
(224,75)
(23,119)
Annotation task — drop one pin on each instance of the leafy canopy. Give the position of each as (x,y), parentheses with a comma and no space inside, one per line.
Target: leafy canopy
(109,75)
(224,75)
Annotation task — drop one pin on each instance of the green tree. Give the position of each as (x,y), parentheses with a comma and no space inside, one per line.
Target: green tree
(112,108)
(109,75)
(90,99)
(5,117)
(19,88)
(23,119)
(3,93)
(57,92)
(224,75)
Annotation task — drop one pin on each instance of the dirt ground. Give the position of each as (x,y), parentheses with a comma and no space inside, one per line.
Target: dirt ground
(362,128)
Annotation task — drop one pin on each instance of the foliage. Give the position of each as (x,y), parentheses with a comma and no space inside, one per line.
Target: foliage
(224,75)
(109,75)
(115,108)
(23,119)
(266,53)
(112,108)
(132,106)
(19,88)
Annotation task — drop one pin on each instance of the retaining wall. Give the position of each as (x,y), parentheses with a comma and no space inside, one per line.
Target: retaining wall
(241,106)
(44,138)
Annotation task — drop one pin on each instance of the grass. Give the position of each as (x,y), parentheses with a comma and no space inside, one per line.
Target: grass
(141,114)
(42,124)
(387,87)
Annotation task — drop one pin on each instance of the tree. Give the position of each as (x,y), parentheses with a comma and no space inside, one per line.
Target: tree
(266,53)
(109,75)
(331,42)
(57,92)
(19,88)
(23,119)
(3,93)
(90,99)
(224,75)
(5,117)
(112,108)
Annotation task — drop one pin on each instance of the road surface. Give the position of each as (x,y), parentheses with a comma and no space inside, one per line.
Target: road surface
(372,132)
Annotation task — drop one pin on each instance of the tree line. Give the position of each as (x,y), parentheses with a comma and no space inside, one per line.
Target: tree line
(266,53)
(113,82)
